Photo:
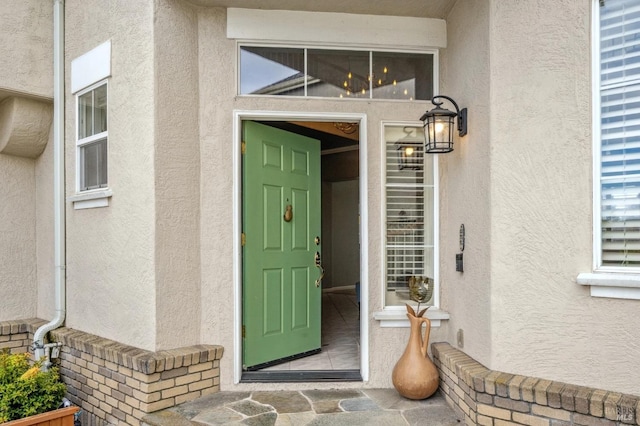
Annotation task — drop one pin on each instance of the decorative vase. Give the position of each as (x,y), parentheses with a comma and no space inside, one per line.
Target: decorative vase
(415,376)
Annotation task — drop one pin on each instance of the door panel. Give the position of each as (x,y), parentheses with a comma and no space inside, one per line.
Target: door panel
(300,162)
(281,303)
(300,228)
(272,224)
(300,292)
(272,296)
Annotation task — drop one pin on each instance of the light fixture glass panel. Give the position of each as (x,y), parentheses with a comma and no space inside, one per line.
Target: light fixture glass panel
(338,73)
(271,71)
(443,129)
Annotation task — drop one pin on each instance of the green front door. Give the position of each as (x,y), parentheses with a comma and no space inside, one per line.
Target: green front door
(281,220)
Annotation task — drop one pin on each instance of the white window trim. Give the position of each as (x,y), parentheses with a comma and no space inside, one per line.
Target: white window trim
(612,285)
(98,197)
(335,28)
(608,282)
(392,317)
(361,118)
(93,66)
(396,316)
(91,199)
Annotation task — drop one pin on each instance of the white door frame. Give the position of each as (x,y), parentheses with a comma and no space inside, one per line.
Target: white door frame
(238,117)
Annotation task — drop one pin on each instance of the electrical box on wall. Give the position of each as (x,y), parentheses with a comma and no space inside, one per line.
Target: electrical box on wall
(459,266)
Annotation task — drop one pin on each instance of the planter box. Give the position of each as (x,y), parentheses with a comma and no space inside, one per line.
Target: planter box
(61,417)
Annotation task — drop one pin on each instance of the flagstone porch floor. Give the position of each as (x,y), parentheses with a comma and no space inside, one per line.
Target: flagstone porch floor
(352,407)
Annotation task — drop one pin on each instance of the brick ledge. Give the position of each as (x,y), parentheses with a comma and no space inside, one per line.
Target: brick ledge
(513,392)
(143,361)
(29,325)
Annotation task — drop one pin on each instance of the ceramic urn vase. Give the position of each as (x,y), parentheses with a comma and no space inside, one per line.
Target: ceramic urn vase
(415,376)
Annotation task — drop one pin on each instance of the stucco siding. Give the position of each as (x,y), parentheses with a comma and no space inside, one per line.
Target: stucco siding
(27,47)
(26,77)
(217,83)
(218,100)
(17,241)
(177,177)
(465,179)
(543,323)
(155,269)
(44,234)
(110,250)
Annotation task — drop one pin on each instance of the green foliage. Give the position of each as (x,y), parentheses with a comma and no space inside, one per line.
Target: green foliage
(25,390)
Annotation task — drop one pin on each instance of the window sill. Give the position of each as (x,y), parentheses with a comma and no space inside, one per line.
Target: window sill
(612,285)
(91,199)
(398,317)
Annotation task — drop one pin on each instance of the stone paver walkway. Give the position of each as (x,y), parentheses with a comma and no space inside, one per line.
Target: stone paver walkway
(352,407)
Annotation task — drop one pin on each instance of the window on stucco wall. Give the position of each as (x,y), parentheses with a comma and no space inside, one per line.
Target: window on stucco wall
(336,73)
(618,116)
(410,214)
(92,137)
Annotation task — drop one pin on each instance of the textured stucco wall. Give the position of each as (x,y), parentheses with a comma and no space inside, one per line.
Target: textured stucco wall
(177,176)
(110,250)
(17,238)
(465,175)
(543,323)
(520,182)
(25,129)
(44,231)
(217,82)
(24,126)
(25,71)
(29,25)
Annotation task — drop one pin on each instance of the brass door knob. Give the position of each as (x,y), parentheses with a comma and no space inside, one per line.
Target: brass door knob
(288,213)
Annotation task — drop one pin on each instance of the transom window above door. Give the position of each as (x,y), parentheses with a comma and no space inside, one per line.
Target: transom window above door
(333,73)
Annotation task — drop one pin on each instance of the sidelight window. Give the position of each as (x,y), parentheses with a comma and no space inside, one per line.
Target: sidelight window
(410,208)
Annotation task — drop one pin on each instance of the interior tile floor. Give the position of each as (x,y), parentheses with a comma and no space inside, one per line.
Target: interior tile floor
(340,335)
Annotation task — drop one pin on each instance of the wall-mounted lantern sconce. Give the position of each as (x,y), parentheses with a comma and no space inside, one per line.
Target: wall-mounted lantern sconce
(410,152)
(438,126)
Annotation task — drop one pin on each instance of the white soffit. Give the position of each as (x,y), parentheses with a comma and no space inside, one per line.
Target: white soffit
(93,66)
(336,28)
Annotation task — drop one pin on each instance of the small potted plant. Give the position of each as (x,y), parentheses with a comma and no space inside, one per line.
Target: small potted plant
(26,391)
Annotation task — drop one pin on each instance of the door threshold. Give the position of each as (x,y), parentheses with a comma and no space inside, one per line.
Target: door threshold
(301,376)
(284,360)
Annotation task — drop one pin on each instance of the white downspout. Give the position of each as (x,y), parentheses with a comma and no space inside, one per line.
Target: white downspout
(58,181)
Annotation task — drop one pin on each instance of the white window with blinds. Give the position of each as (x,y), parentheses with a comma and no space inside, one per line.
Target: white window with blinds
(617,132)
(410,214)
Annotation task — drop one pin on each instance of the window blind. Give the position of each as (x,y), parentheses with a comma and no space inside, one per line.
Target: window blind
(620,132)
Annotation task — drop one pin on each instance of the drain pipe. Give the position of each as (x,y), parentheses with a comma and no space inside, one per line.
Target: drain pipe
(58,183)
